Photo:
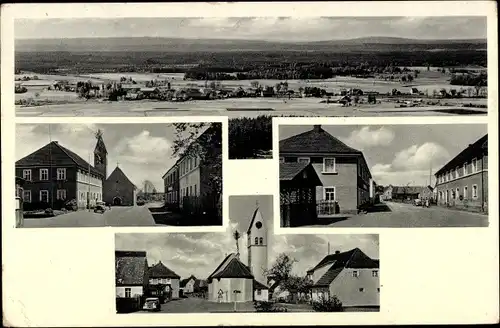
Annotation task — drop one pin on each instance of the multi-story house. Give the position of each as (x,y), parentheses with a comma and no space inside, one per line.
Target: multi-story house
(54,175)
(196,179)
(346,180)
(131,279)
(171,187)
(164,278)
(463,181)
(352,276)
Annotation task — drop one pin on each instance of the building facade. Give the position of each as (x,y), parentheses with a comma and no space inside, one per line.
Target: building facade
(351,276)
(345,177)
(131,273)
(168,281)
(463,181)
(118,190)
(55,175)
(257,247)
(171,187)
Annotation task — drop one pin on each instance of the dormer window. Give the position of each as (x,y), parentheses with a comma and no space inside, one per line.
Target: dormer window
(329,165)
(303,160)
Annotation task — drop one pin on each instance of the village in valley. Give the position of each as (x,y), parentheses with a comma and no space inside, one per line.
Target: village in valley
(246,268)
(325,182)
(57,187)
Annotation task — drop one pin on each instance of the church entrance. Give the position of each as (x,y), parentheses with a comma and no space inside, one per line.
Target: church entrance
(117,201)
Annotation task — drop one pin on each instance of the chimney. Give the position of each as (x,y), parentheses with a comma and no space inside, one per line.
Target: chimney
(337,252)
(317,128)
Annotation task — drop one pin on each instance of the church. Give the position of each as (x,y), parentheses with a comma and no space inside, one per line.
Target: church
(234,281)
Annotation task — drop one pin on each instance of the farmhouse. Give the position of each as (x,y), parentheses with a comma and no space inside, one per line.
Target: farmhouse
(407,193)
(54,175)
(192,285)
(131,274)
(344,174)
(119,190)
(463,181)
(351,276)
(163,282)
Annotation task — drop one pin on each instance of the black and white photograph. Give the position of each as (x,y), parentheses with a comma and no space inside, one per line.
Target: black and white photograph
(246,268)
(398,175)
(91,175)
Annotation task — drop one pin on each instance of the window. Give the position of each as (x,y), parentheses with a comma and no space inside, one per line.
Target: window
(61,174)
(128,292)
(256,240)
(44,174)
(27,175)
(375,273)
(355,274)
(466,192)
(27,196)
(195,190)
(474,165)
(465,169)
(303,160)
(44,196)
(261,241)
(190,190)
(259,292)
(282,160)
(329,165)
(361,290)
(474,191)
(329,194)
(378,290)
(61,194)
(458,193)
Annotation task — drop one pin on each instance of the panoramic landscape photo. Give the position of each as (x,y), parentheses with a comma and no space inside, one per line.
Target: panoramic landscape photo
(251,66)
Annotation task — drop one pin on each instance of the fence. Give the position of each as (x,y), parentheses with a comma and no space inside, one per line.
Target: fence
(205,209)
(126,305)
(324,207)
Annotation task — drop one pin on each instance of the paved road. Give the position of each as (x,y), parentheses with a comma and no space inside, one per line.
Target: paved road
(117,216)
(407,216)
(199,305)
(229,107)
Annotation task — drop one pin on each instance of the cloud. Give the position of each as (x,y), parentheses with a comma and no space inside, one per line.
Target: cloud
(143,148)
(367,137)
(411,165)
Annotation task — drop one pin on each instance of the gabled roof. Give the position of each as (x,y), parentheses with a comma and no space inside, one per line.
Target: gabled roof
(466,155)
(53,154)
(231,267)
(183,282)
(259,286)
(256,215)
(118,174)
(159,270)
(408,189)
(130,267)
(292,171)
(316,140)
(100,145)
(354,259)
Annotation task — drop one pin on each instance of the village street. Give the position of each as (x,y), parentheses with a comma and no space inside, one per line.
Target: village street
(401,215)
(117,216)
(200,305)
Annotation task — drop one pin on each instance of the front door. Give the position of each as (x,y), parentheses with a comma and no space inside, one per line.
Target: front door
(117,201)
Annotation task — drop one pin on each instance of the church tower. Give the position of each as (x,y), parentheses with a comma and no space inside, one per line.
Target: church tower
(101,155)
(257,247)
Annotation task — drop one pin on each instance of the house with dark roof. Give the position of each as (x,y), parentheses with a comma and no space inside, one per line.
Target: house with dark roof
(192,285)
(463,181)
(352,276)
(346,181)
(119,190)
(55,175)
(407,193)
(163,282)
(131,274)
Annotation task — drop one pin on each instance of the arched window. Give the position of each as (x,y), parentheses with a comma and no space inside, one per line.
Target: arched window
(261,241)
(256,240)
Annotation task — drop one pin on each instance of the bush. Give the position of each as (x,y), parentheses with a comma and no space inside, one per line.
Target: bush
(263,306)
(332,304)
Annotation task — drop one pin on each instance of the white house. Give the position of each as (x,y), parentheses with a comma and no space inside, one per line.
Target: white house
(159,274)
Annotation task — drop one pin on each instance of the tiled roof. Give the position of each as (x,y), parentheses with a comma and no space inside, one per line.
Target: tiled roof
(257,285)
(354,259)
(288,171)
(159,270)
(316,140)
(130,267)
(183,282)
(118,175)
(231,267)
(408,189)
(466,155)
(53,154)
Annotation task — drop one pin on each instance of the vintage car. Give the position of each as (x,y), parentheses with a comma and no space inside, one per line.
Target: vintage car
(152,304)
(417,202)
(100,207)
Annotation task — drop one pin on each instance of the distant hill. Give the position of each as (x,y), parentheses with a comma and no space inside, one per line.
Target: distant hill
(152,44)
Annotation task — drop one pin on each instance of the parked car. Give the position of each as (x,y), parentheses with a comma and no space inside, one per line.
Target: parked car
(152,304)
(141,202)
(417,202)
(100,207)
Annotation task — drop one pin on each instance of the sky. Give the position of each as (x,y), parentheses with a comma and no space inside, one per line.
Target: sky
(402,154)
(200,253)
(256,28)
(143,151)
